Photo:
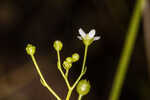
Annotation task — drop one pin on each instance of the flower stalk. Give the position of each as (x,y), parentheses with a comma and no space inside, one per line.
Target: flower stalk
(31,50)
(80,97)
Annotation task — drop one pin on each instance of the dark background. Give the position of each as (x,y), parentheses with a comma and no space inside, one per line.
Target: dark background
(41,22)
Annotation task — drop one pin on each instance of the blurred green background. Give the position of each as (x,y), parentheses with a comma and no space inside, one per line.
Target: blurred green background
(40,22)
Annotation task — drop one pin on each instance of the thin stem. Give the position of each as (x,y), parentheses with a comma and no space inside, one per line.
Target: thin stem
(42,78)
(76,82)
(126,54)
(80,97)
(80,76)
(69,93)
(83,67)
(62,73)
(84,60)
(66,74)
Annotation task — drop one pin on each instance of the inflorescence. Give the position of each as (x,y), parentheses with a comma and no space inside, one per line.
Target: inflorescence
(82,86)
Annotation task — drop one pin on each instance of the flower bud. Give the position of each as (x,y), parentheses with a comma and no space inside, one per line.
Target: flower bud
(30,49)
(83,87)
(67,65)
(75,57)
(58,45)
(69,59)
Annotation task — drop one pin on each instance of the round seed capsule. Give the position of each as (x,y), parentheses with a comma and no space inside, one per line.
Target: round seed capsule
(83,87)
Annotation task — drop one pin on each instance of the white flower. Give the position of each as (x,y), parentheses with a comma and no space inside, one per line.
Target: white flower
(88,38)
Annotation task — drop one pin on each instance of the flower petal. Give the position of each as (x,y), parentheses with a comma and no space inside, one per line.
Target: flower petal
(92,33)
(82,33)
(79,37)
(97,38)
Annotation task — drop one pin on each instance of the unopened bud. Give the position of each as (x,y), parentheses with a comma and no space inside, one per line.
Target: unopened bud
(69,59)
(75,57)
(67,65)
(30,49)
(58,45)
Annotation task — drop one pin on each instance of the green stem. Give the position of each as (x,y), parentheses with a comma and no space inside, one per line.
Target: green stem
(66,74)
(80,76)
(84,60)
(43,80)
(69,93)
(76,82)
(80,97)
(62,73)
(83,67)
(127,50)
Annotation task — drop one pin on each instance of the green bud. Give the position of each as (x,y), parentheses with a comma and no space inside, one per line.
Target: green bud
(75,57)
(58,45)
(83,87)
(30,49)
(67,65)
(69,59)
